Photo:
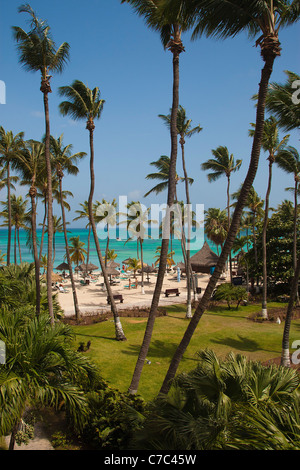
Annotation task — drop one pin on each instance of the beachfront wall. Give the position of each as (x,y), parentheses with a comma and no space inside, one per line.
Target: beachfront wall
(204,260)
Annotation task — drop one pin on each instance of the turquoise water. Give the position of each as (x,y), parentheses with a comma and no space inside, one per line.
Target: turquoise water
(123,250)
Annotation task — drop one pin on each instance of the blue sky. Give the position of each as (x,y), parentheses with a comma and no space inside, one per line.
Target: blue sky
(113,49)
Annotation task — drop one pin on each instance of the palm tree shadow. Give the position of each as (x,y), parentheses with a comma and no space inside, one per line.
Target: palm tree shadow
(158,349)
(241,343)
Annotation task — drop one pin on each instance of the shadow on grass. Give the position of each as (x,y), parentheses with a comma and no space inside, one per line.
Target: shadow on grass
(241,343)
(158,350)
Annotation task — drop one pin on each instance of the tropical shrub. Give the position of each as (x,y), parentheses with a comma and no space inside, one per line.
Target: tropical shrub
(112,419)
(230,294)
(224,405)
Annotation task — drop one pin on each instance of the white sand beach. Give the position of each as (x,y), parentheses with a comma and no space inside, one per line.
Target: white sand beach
(92,297)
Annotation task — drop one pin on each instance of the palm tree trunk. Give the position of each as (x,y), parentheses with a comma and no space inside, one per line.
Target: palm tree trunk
(19,245)
(264,311)
(120,336)
(76,307)
(43,229)
(189,272)
(285,354)
(142,266)
(228,217)
(15,245)
(45,89)
(9,215)
(295,232)
(256,146)
(32,193)
(176,49)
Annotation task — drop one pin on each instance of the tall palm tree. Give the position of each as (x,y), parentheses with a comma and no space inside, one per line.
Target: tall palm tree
(84,214)
(280,102)
(31,163)
(10,145)
(137,225)
(66,162)
(222,165)
(223,19)
(38,53)
(216,226)
(185,130)
(106,211)
(270,144)
(18,218)
(170,28)
(288,159)
(77,250)
(84,103)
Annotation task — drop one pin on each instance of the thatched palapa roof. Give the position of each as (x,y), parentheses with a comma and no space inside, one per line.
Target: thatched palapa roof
(204,259)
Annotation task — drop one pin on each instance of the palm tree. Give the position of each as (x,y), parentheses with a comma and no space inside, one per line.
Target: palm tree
(41,368)
(137,225)
(170,260)
(270,144)
(288,159)
(185,131)
(222,165)
(31,163)
(280,102)
(65,161)
(84,103)
(229,404)
(170,28)
(38,53)
(223,19)
(10,146)
(216,226)
(84,214)
(106,211)
(77,252)
(134,265)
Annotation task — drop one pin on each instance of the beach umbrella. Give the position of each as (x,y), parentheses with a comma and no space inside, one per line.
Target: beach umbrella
(148,269)
(87,267)
(54,277)
(126,261)
(110,271)
(62,267)
(113,264)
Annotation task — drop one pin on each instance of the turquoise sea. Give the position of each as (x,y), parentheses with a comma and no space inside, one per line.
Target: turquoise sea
(123,250)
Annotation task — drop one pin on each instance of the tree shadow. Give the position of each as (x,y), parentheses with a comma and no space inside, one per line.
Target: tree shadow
(241,343)
(157,350)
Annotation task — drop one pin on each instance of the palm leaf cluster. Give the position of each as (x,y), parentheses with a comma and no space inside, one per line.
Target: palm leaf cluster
(224,405)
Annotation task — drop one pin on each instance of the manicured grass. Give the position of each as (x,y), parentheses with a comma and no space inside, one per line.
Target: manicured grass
(219,329)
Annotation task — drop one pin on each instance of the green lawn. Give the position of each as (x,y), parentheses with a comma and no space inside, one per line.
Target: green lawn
(220,329)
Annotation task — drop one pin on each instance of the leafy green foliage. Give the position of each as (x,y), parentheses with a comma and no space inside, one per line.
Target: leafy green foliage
(230,294)
(112,419)
(226,404)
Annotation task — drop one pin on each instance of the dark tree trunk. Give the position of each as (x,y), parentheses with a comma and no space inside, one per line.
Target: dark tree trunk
(45,88)
(120,336)
(9,215)
(75,300)
(32,193)
(176,49)
(269,57)
(264,312)
(43,229)
(285,354)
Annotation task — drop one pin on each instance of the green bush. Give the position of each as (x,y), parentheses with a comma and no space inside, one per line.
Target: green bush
(230,293)
(112,419)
